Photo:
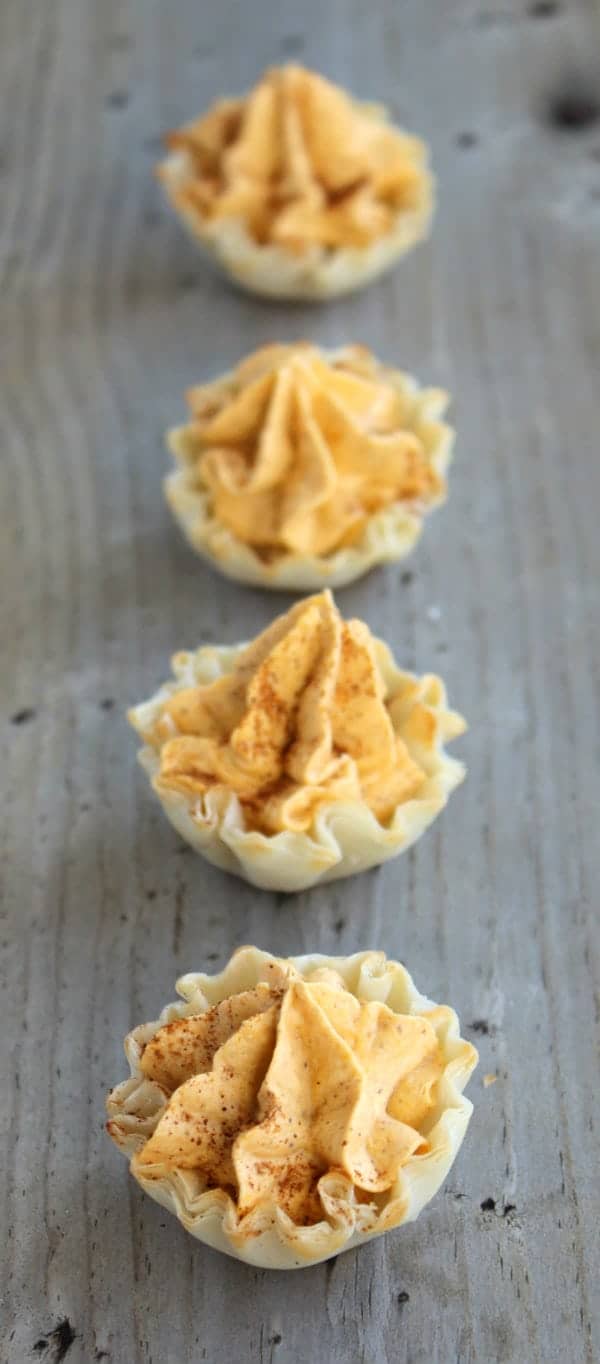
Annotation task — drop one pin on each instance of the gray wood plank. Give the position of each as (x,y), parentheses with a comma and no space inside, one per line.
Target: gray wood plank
(107,314)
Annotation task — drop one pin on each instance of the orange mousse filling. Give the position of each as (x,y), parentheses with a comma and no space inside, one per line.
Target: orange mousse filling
(297,451)
(302,720)
(300,164)
(276,1089)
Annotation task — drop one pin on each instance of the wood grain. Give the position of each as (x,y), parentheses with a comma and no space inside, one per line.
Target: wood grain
(107,314)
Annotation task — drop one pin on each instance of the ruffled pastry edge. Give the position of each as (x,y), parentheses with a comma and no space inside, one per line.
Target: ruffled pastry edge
(319,273)
(270,1239)
(389,534)
(346,838)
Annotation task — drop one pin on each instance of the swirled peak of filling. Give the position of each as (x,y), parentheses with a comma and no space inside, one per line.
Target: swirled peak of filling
(297,450)
(300,164)
(300,721)
(274,1092)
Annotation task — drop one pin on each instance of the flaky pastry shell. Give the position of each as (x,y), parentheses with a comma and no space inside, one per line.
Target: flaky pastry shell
(345,837)
(270,1239)
(389,534)
(320,272)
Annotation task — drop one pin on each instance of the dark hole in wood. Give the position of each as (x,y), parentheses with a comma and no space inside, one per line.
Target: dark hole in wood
(292,42)
(22,717)
(59,1339)
(118,99)
(119,42)
(574,107)
(543,9)
(467,140)
(488,1205)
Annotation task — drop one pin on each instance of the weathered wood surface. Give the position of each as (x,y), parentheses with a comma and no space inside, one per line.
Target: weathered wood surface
(107,314)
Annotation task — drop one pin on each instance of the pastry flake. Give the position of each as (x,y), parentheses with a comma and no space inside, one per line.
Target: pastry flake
(298,189)
(305,468)
(290,1109)
(303,756)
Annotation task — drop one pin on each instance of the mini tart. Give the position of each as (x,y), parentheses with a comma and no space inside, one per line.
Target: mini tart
(297,189)
(304,756)
(304,468)
(288,1110)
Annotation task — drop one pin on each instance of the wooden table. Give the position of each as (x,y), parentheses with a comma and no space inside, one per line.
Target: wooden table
(108,314)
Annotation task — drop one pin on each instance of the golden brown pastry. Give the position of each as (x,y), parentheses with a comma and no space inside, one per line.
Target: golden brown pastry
(290,1109)
(304,468)
(303,756)
(298,189)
